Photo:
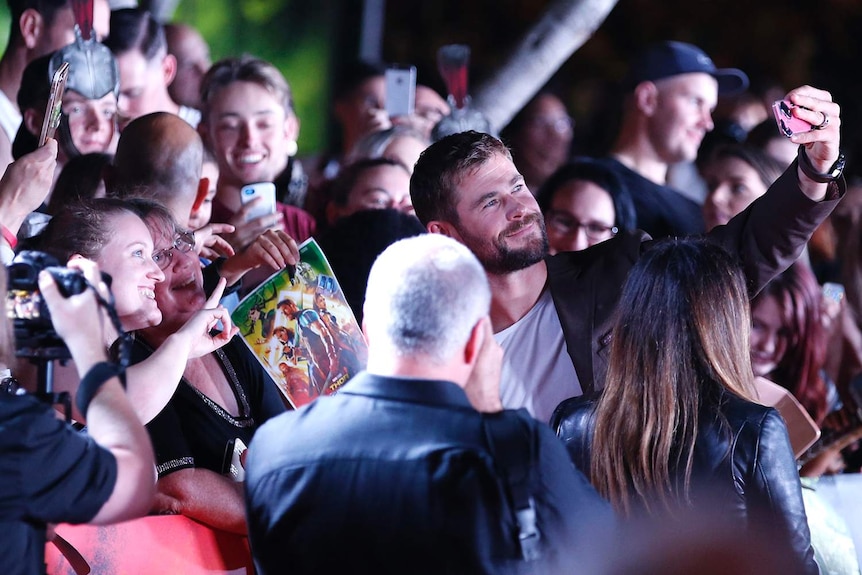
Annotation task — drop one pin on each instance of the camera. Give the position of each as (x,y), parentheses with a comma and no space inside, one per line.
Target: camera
(34,332)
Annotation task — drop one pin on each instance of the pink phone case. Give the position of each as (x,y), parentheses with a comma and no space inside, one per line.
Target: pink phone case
(788,124)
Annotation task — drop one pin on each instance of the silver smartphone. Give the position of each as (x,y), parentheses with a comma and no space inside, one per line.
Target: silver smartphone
(400,90)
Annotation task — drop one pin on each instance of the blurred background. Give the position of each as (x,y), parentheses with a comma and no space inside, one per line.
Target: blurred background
(781,44)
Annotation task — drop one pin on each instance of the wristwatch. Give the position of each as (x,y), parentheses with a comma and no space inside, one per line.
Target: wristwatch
(833,174)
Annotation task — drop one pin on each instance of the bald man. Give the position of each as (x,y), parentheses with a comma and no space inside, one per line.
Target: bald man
(159,156)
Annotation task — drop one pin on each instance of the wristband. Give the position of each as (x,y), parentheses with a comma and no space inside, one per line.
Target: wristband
(9,236)
(822,178)
(92,382)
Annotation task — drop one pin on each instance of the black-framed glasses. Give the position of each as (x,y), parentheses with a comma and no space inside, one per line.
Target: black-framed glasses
(184,242)
(565,224)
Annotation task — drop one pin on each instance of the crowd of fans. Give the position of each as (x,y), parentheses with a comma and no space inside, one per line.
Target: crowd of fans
(591,298)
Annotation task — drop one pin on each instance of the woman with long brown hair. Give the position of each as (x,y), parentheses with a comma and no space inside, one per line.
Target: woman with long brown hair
(789,339)
(675,426)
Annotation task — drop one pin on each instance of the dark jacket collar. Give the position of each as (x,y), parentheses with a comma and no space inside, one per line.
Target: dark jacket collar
(427,391)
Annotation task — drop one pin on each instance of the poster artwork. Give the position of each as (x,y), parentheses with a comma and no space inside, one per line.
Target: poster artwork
(299,327)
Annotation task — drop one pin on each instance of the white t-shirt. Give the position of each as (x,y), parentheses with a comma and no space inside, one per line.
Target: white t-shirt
(537,370)
(192,116)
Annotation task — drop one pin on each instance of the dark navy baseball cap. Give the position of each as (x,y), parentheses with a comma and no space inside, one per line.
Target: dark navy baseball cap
(668,59)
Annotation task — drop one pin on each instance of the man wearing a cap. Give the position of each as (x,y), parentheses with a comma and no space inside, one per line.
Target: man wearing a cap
(672,89)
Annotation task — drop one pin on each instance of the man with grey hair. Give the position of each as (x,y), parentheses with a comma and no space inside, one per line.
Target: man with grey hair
(406,469)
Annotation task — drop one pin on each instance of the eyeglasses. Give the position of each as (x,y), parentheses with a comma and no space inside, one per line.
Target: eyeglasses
(563,223)
(560,125)
(184,242)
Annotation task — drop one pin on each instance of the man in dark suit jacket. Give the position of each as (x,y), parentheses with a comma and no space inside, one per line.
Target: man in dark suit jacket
(466,186)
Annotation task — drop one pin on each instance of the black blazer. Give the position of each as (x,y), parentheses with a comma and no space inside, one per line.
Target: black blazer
(585,286)
(742,461)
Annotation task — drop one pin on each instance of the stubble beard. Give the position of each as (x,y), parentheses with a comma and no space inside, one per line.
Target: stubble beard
(499,259)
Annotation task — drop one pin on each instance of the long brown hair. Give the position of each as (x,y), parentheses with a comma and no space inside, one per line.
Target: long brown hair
(680,339)
(800,368)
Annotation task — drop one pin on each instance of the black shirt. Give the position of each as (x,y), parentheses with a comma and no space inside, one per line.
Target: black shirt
(49,473)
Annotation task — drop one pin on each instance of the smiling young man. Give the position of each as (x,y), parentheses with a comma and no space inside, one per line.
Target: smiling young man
(250,126)
(552,315)
(672,90)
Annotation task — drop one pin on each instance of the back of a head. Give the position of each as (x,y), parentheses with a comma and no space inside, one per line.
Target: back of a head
(440,169)
(764,132)
(46,8)
(425,294)
(80,179)
(354,242)
(680,337)
(162,155)
(703,288)
(136,29)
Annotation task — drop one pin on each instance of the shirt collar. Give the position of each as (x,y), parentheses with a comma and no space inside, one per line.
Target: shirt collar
(427,391)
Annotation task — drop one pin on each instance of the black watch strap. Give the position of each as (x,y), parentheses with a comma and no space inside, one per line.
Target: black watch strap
(833,174)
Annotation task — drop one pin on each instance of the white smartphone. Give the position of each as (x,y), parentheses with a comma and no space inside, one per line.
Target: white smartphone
(400,90)
(265,207)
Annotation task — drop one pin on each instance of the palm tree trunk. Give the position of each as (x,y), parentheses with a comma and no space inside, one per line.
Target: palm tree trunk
(564,28)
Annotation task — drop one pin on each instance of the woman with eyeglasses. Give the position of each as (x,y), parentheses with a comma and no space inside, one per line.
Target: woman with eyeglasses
(222,397)
(584,204)
(112,233)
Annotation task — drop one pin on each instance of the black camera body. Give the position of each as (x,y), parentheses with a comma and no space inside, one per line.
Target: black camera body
(34,332)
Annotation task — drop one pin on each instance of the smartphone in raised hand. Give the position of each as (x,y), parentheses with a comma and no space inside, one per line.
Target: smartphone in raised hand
(400,90)
(788,124)
(55,104)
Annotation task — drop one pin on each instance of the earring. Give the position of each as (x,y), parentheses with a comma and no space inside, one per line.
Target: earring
(292,148)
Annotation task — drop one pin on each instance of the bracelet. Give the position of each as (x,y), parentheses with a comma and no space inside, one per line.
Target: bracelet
(9,236)
(92,382)
(822,178)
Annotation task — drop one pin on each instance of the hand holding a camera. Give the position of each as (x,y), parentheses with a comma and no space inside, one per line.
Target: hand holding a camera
(78,318)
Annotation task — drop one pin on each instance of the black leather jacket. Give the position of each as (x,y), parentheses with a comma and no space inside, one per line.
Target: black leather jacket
(742,458)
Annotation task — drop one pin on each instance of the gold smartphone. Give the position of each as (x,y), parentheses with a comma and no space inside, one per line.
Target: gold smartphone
(55,104)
